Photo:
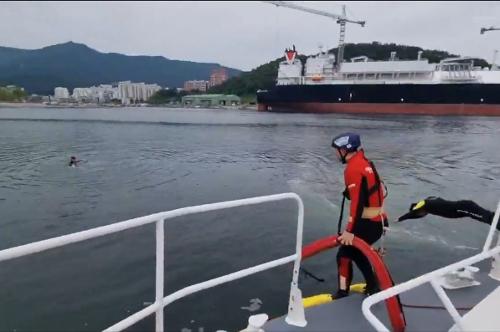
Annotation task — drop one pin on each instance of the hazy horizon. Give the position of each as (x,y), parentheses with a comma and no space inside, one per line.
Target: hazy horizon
(244,35)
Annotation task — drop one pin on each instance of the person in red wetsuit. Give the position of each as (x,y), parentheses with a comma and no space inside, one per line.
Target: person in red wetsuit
(366,215)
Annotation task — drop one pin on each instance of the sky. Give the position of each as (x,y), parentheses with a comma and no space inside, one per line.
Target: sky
(245,35)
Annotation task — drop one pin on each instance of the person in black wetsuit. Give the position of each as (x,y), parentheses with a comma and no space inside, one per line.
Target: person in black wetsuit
(449,209)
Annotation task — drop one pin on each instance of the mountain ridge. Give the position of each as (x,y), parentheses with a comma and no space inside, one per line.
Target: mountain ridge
(74,65)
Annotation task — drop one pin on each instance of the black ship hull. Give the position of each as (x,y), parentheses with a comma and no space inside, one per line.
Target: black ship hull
(427,99)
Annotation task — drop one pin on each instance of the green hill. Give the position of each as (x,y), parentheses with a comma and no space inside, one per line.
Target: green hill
(264,76)
(76,65)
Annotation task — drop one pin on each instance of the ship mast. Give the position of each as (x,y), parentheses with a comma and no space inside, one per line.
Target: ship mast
(341,19)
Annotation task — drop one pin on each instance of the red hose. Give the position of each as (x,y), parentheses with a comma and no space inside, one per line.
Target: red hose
(393,305)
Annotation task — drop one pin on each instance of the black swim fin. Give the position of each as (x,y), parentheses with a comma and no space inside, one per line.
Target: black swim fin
(417,210)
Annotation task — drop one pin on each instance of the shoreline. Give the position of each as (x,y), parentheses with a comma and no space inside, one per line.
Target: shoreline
(43,105)
(21,104)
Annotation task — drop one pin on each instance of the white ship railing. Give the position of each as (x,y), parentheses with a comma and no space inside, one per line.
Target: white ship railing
(295,308)
(432,278)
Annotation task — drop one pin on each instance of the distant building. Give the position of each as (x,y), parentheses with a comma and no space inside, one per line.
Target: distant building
(34,98)
(211,100)
(103,93)
(196,85)
(61,93)
(132,93)
(82,94)
(127,91)
(218,76)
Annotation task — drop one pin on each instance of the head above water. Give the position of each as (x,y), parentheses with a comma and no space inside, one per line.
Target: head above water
(73,158)
(346,144)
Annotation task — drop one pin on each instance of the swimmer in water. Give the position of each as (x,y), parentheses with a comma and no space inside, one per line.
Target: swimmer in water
(73,162)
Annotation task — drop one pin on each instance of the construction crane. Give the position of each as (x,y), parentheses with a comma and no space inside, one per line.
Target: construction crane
(483,30)
(341,19)
(494,62)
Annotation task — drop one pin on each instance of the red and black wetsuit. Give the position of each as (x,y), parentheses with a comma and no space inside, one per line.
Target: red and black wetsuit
(364,189)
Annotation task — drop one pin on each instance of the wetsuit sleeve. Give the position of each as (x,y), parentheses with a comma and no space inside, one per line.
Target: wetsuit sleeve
(353,182)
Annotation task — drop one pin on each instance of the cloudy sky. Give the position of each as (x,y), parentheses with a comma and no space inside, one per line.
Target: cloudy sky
(245,34)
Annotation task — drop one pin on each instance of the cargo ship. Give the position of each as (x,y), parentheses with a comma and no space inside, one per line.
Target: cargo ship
(363,86)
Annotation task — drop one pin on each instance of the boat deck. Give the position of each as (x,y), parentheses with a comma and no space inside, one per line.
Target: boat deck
(346,315)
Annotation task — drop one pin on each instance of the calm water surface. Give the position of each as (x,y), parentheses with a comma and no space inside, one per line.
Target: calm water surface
(142,161)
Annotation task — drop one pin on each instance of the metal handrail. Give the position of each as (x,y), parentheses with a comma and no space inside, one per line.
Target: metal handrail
(493,228)
(295,312)
(432,278)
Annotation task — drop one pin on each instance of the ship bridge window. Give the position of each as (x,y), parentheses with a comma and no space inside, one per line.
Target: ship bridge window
(385,76)
(371,76)
(455,67)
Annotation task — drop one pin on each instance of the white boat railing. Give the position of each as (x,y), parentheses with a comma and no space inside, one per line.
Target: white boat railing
(432,278)
(295,308)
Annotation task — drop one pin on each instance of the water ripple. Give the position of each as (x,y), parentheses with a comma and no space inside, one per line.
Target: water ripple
(143,161)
